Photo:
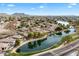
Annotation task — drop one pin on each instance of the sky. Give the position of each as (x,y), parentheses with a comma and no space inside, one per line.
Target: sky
(40,8)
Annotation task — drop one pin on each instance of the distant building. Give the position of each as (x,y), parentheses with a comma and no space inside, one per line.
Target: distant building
(4,46)
(63,23)
(6,43)
(11,25)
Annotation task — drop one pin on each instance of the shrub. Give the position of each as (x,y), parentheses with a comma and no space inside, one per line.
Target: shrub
(58,29)
(17,42)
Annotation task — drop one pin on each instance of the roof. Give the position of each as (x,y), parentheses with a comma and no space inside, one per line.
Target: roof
(9,39)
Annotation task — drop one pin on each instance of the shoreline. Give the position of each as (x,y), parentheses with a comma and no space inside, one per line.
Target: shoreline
(50,50)
(14,49)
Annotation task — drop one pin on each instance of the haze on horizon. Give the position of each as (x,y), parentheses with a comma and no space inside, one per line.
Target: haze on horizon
(40,8)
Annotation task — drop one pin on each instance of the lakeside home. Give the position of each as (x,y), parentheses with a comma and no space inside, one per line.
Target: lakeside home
(63,23)
(7,43)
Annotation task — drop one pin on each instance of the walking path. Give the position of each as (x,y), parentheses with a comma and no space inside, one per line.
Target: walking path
(60,50)
(14,49)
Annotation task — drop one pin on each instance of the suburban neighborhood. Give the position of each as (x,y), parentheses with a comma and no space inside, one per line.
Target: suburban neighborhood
(38,33)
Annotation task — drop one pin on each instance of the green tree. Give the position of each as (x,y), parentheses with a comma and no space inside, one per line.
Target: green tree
(31,34)
(67,39)
(17,42)
(58,29)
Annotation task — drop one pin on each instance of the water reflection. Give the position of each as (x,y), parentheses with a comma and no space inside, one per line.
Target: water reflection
(34,44)
(59,33)
(67,31)
(44,43)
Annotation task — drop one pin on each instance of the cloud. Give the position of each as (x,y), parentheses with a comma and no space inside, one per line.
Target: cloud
(8,9)
(69,6)
(41,7)
(73,4)
(10,5)
(32,8)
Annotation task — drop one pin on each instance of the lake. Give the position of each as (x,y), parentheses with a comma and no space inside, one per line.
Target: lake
(44,43)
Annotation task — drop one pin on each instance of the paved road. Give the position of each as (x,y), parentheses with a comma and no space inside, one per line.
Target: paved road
(46,54)
(62,50)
